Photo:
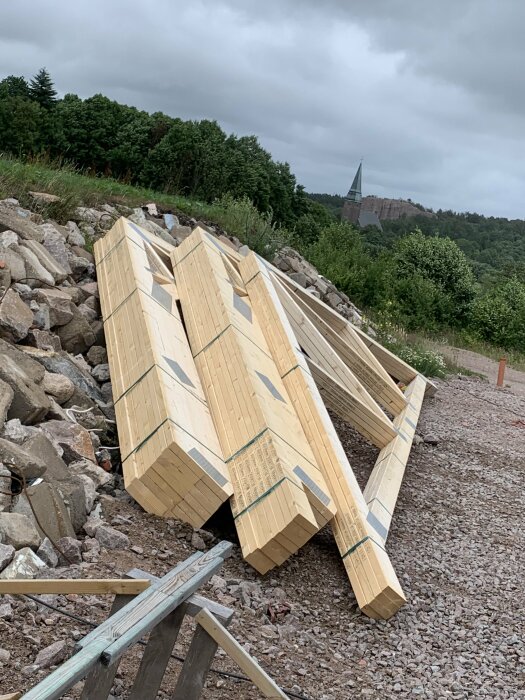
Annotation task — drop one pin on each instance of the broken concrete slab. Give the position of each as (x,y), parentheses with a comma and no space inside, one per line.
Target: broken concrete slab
(18,461)
(55,269)
(16,317)
(18,531)
(76,336)
(83,467)
(25,564)
(50,508)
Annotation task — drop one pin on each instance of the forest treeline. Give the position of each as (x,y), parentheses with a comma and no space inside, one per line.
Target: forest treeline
(461,271)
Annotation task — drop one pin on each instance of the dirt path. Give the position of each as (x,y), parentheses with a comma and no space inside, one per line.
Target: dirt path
(473,361)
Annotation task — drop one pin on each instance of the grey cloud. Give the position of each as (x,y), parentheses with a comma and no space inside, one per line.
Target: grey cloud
(430,94)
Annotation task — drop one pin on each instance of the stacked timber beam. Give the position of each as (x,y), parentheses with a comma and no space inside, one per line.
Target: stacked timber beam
(222,371)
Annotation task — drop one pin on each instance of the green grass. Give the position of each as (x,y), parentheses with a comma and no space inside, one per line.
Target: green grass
(238,217)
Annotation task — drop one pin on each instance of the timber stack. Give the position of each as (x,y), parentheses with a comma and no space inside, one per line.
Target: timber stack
(223,368)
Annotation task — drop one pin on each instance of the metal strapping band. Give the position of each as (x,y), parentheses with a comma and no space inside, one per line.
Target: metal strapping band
(356,546)
(380,503)
(260,498)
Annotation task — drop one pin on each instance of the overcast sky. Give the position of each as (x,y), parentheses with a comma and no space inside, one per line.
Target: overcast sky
(430,93)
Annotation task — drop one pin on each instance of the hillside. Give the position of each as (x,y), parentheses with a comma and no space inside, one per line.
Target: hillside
(300,620)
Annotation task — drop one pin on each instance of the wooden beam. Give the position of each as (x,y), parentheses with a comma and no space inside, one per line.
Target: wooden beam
(372,576)
(359,405)
(11,696)
(171,457)
(392,364)
(383,486)
(59,586)
(236,652)
(280,498)
(351,349)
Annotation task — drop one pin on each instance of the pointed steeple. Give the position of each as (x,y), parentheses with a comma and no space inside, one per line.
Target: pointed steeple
(354,193)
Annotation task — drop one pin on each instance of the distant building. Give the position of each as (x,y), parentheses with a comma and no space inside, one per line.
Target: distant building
(353,209)
(370,210)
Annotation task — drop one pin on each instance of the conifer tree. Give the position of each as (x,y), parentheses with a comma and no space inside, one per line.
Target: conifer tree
(42,90)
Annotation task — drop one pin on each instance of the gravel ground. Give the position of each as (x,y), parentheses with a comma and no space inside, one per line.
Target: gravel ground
(457,544)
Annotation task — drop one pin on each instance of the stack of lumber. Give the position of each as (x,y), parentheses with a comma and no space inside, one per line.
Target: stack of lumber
(171,457)
(222,371)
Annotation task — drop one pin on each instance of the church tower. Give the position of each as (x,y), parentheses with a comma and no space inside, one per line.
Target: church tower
(352,205)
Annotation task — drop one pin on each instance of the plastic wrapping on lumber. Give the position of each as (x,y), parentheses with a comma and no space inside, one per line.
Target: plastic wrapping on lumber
(171,457)
(280,497)
(372,576)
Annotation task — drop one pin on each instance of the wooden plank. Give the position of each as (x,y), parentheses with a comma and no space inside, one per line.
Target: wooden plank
(370,571)
(324,356)
(392,364)
(199,657)
(235,651)
(128,625)
(157,655)
(384,483)
(260,435)
(11,696)
(172,459)
(74,586)
(99,682)
(356,356)
(194,603)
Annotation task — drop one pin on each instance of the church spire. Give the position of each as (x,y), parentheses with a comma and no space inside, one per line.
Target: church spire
(354,193)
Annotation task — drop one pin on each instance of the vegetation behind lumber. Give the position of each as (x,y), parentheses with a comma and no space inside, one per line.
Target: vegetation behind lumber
(463,272)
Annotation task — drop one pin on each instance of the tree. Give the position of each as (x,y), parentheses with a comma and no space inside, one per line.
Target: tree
(440,262)
(42,90)
(20,126)
(14,86)
(499,315)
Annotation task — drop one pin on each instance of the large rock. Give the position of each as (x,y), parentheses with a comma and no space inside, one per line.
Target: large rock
(59,386)
(23,374)
(55,243)
(70,551)
(101,373)
(15,262)
(7,552)
(18,531)
(48,553)
(76,336)
(15,316)
(34,268)
(57,271)
(17,460)
(74,439)
(6,399)
(62,363)
(97,355)
(111,538)
(61,308)
(41,315)
(84,467)
(51,655)
(8,239)
(70,486)
(52,517)
(75,235)
(25,564)
(23,226)
(5,489)
(44,340)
